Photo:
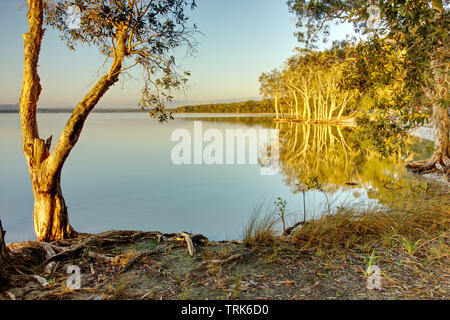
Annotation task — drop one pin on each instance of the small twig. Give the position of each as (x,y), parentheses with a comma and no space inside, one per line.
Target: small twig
(128,265)
(99,256)
(220,262)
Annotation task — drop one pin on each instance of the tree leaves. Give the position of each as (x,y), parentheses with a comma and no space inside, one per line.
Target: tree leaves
(153,29)
(405,57)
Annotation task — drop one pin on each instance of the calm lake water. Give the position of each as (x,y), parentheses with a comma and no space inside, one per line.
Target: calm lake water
(120,176)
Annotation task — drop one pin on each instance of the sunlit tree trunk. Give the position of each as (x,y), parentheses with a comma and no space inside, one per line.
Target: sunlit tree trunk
(275,99)
(345,101)
(308,107)
(296,104)
(441,156)
(315,107)
(50,212)
(440,160)
(442,144)
(51,218)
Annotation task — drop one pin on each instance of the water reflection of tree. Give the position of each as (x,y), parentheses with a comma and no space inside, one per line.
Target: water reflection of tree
(335,157)
(331,158)
(324,153)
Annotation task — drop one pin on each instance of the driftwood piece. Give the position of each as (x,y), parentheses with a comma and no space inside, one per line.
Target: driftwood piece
(189,243)
(41,280)
(191,240)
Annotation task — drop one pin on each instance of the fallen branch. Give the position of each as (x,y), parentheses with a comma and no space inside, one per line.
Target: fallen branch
(41,280)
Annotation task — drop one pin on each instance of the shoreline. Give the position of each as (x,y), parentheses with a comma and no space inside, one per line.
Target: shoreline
(324,259)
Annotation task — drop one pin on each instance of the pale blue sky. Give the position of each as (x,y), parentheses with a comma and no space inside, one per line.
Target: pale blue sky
(242,38)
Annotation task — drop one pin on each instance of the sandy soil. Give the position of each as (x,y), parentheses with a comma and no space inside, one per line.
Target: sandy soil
(148,269)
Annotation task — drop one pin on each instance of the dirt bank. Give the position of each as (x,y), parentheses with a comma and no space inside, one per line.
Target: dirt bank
(139,265)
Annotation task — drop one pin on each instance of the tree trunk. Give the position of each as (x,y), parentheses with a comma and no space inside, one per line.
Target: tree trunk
(440,161)
(4,257)
(50,212)
(441,129)
(51,219)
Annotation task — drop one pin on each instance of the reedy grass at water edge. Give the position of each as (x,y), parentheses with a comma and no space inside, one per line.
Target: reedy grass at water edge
(408,221)
(411,222)
(261,228)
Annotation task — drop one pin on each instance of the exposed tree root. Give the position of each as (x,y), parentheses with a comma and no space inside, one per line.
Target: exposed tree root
(28,261)
(437,164)
(29,257)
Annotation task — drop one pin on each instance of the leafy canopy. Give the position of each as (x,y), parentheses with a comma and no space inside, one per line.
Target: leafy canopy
(153,30)
(407,54)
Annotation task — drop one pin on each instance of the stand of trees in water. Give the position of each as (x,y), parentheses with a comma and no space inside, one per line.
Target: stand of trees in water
(402,66)
(389,83)
(309,87)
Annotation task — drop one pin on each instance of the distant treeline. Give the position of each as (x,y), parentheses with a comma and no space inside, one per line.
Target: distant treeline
(67,110)
(251,106)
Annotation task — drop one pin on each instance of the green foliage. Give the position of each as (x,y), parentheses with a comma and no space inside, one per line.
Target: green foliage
(150,31)
(410,246)
(281,206)
(401,69)
(307,87)
(251,106)
(369,263)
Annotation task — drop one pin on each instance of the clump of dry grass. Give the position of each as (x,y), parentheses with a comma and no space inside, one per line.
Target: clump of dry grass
(261,229)
(414,217)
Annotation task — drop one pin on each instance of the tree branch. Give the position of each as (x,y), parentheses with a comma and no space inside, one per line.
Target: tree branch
(72,130)
(31,87)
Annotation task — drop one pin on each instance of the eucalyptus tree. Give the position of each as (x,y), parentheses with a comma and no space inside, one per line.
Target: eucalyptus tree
(128,33)
(272,86)
(290,80)
(308,84)
(418,30)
